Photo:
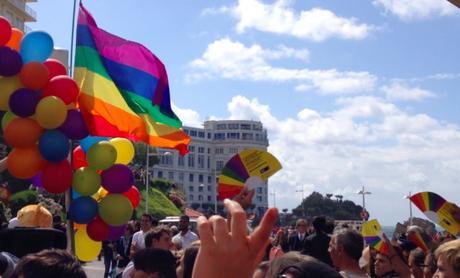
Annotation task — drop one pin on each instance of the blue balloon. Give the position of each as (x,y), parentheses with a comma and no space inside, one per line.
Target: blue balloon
(75,195)
(36,46)
(54,145)
(87,142)
(82,210)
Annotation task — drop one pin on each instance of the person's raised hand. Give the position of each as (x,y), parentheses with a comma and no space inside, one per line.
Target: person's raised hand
(227,250)
(244,198)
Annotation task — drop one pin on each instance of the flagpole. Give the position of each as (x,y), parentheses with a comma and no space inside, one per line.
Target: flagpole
(68,194)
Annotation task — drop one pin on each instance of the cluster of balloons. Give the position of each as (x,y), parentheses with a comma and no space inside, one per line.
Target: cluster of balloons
(40,119)
(104,194)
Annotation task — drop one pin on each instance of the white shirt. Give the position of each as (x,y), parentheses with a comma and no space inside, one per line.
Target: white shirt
(128,269)
(139,240)
(186,239)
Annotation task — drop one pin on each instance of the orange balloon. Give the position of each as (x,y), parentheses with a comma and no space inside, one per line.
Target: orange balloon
(22,132)
(15,40)
(24,163)
(34,75)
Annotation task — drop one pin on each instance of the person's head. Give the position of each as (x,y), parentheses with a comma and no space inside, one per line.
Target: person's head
(382,265)
(129,230)
(154,262)
(7,264)
(448,259)
(49,263)
(282,262)
(318,223)
(261,270)
(346,247)
(301,226)
(187,260)
(416,262)
(146,222)
(158,237)
(309,267)
(184,223)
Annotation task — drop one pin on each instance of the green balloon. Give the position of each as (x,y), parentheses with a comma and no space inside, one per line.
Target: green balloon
(7,118)
(86,181)
(101,155)
(115,209)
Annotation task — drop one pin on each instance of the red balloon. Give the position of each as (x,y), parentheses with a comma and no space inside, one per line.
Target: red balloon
(79,158)
(57,177)
(34,75)
(133,195)
(63,87)
(55,67)
(97,229)
(5,30)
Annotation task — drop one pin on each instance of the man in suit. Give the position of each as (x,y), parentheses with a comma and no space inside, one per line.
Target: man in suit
(317,244)
(297,240)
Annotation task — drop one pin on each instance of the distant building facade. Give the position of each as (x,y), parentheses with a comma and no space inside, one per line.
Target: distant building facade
(18,13)
(211,147)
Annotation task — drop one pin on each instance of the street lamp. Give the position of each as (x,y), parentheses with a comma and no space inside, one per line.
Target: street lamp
(301,202)
(410,207)
(274,197)
(200,196)
(364,193)
(148,154)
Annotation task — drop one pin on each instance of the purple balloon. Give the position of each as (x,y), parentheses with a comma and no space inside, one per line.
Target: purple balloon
(37,180)
(117,179)
(115,232)
(10,61)
(74,126)
(23,102)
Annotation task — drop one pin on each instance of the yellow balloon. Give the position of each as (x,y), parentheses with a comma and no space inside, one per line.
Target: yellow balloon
(7,87)
(86,249)
(125,150)
(51,112)
(101,193)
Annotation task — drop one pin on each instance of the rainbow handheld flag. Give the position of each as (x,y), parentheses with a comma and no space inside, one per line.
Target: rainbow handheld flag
(372,234)
(124,89)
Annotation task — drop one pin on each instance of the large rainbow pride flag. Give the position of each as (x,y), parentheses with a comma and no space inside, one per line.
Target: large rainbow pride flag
(124,89)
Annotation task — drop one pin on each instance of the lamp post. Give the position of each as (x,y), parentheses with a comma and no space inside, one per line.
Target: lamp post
(147,175)
(274,197)
(410,206)
(215,190)
(364,193)
(200,196)
(301,202)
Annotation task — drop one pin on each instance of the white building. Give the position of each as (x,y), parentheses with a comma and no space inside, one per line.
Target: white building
(18,13)
(211,147)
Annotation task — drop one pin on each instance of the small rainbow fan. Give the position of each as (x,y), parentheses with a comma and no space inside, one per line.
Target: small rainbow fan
(371,232)
(437,209)
(416,238)
(249,167)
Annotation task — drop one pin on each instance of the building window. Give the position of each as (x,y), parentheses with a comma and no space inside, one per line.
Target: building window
(219,165)
(190,197)
(200,178)
(166,159)
(186,131)
(256,127)
(259,190)
(180,160)
(233,150)
(209,188)
(191,160)
(246,126)
(219,151)
(209,135)
(200,161)
(200,197)
(221,126)
(170,175)
(200,188)
(259,199)
(208,163)
(190,189)
(191,149)
(201,134)
(190,177)
(209,179)
(181,176)
(200,149)
(219,136)
(232,126)
(233,135)
(209,198)
(160,174)
(193,133)
(247,136)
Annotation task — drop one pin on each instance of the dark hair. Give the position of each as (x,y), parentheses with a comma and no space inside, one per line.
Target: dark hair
(152,260)
(49,263)
(150,217)
(190,254)
(352,242)
(310,267)
(318,223)
(155,233)
(185,218)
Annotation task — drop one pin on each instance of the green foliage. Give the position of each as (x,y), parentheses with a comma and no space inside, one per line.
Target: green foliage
(162,184)
(159,205)
(21,199)
(316,204)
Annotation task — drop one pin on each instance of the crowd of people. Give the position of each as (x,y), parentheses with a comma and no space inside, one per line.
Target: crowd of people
(228,247)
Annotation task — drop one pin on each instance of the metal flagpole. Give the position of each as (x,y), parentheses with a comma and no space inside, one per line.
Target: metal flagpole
(147,174)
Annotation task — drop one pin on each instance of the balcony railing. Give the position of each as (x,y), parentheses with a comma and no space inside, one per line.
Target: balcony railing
(26,9)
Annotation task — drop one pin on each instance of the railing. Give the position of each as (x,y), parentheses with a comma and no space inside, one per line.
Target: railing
(31,12)
(22,6)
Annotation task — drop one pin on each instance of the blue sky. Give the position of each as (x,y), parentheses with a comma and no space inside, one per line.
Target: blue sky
(352,92)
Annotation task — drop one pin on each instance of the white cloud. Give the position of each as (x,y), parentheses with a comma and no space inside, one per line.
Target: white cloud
(417,9)
(188,117)
(229,59)
(316,24)
(399,91)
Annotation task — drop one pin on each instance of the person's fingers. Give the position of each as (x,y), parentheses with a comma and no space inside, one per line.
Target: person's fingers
(251,194)
(205,231)
(260,236)
(238,225)
(219,226)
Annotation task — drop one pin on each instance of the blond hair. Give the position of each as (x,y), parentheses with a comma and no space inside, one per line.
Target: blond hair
(450,252)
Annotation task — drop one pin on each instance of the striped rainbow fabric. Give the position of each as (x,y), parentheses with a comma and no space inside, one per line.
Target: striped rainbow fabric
(124,89)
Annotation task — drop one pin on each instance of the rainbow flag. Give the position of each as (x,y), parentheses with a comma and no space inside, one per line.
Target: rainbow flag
(124,89)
